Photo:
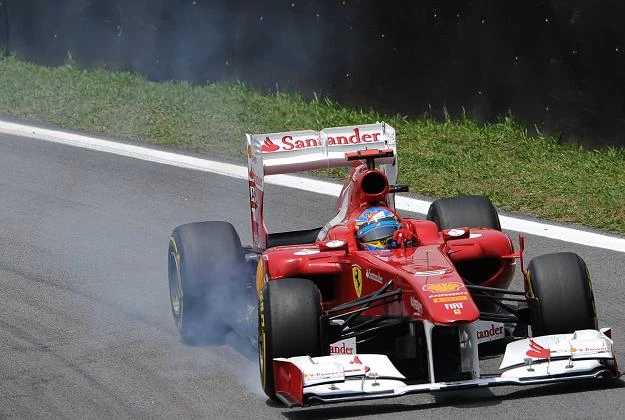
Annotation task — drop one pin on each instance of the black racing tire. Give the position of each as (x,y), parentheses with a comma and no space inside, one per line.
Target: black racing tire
(205,260)
(289,324)
(561,284)
(474,211)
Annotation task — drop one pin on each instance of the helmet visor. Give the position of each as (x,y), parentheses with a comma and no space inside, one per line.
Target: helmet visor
(383,230)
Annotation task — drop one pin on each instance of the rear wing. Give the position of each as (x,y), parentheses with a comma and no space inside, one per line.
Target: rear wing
(298,151)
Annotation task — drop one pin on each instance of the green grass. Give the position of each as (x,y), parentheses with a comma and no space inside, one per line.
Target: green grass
(520,173)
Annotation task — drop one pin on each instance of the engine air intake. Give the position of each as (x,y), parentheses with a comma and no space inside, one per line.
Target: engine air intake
(373,183)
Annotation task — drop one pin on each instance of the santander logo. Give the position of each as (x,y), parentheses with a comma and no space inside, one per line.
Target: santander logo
(346,346)
(269,146)
(288,143)
(341,349)
(492,333)
(538,351)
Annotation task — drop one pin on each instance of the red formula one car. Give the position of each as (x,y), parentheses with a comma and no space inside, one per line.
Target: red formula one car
(373,305)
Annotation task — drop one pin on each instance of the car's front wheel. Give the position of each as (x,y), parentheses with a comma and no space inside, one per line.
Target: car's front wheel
(289,324)
(561,284)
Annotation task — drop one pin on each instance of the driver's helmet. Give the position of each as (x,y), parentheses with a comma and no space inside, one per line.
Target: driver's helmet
(375,228)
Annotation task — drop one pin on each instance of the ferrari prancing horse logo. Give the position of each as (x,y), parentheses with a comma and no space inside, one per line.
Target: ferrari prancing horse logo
(357,276)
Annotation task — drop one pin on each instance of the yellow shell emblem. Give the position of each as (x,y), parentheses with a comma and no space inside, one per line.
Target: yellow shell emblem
(442,287)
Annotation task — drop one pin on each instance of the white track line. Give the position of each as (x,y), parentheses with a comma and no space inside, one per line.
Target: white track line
(328,188)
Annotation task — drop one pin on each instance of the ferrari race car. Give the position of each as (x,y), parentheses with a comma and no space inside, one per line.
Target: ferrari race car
(341,315)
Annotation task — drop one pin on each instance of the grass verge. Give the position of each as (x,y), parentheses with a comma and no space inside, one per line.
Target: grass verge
(520,173)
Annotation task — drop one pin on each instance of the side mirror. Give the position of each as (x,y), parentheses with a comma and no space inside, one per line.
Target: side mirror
(398,188)
(333,245)
(456,233)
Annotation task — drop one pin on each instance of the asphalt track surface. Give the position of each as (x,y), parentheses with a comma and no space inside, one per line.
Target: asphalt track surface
(85,324)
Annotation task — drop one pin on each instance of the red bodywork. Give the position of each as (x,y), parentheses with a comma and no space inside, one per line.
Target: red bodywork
(428,270)
(416,313)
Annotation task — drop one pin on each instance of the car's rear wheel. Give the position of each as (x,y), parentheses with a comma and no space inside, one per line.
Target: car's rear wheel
(561,284)
(205,261)
(289,324)
(472,211)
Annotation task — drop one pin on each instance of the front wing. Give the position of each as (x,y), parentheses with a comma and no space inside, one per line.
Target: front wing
(303,380)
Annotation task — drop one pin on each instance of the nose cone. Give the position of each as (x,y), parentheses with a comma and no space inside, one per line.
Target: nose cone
(454,312)
(448,302)
(440,293)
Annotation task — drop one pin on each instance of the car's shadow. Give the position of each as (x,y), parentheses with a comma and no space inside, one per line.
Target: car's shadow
(459,399)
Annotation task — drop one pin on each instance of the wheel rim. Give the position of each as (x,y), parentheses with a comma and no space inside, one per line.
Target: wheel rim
(175,289)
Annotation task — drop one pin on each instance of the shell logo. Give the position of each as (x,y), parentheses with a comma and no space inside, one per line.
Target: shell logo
(442,287)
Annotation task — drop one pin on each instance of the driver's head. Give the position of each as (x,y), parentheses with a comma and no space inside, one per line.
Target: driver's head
(375,228)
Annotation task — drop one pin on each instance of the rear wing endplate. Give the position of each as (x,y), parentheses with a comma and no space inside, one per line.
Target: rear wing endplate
(298,151)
